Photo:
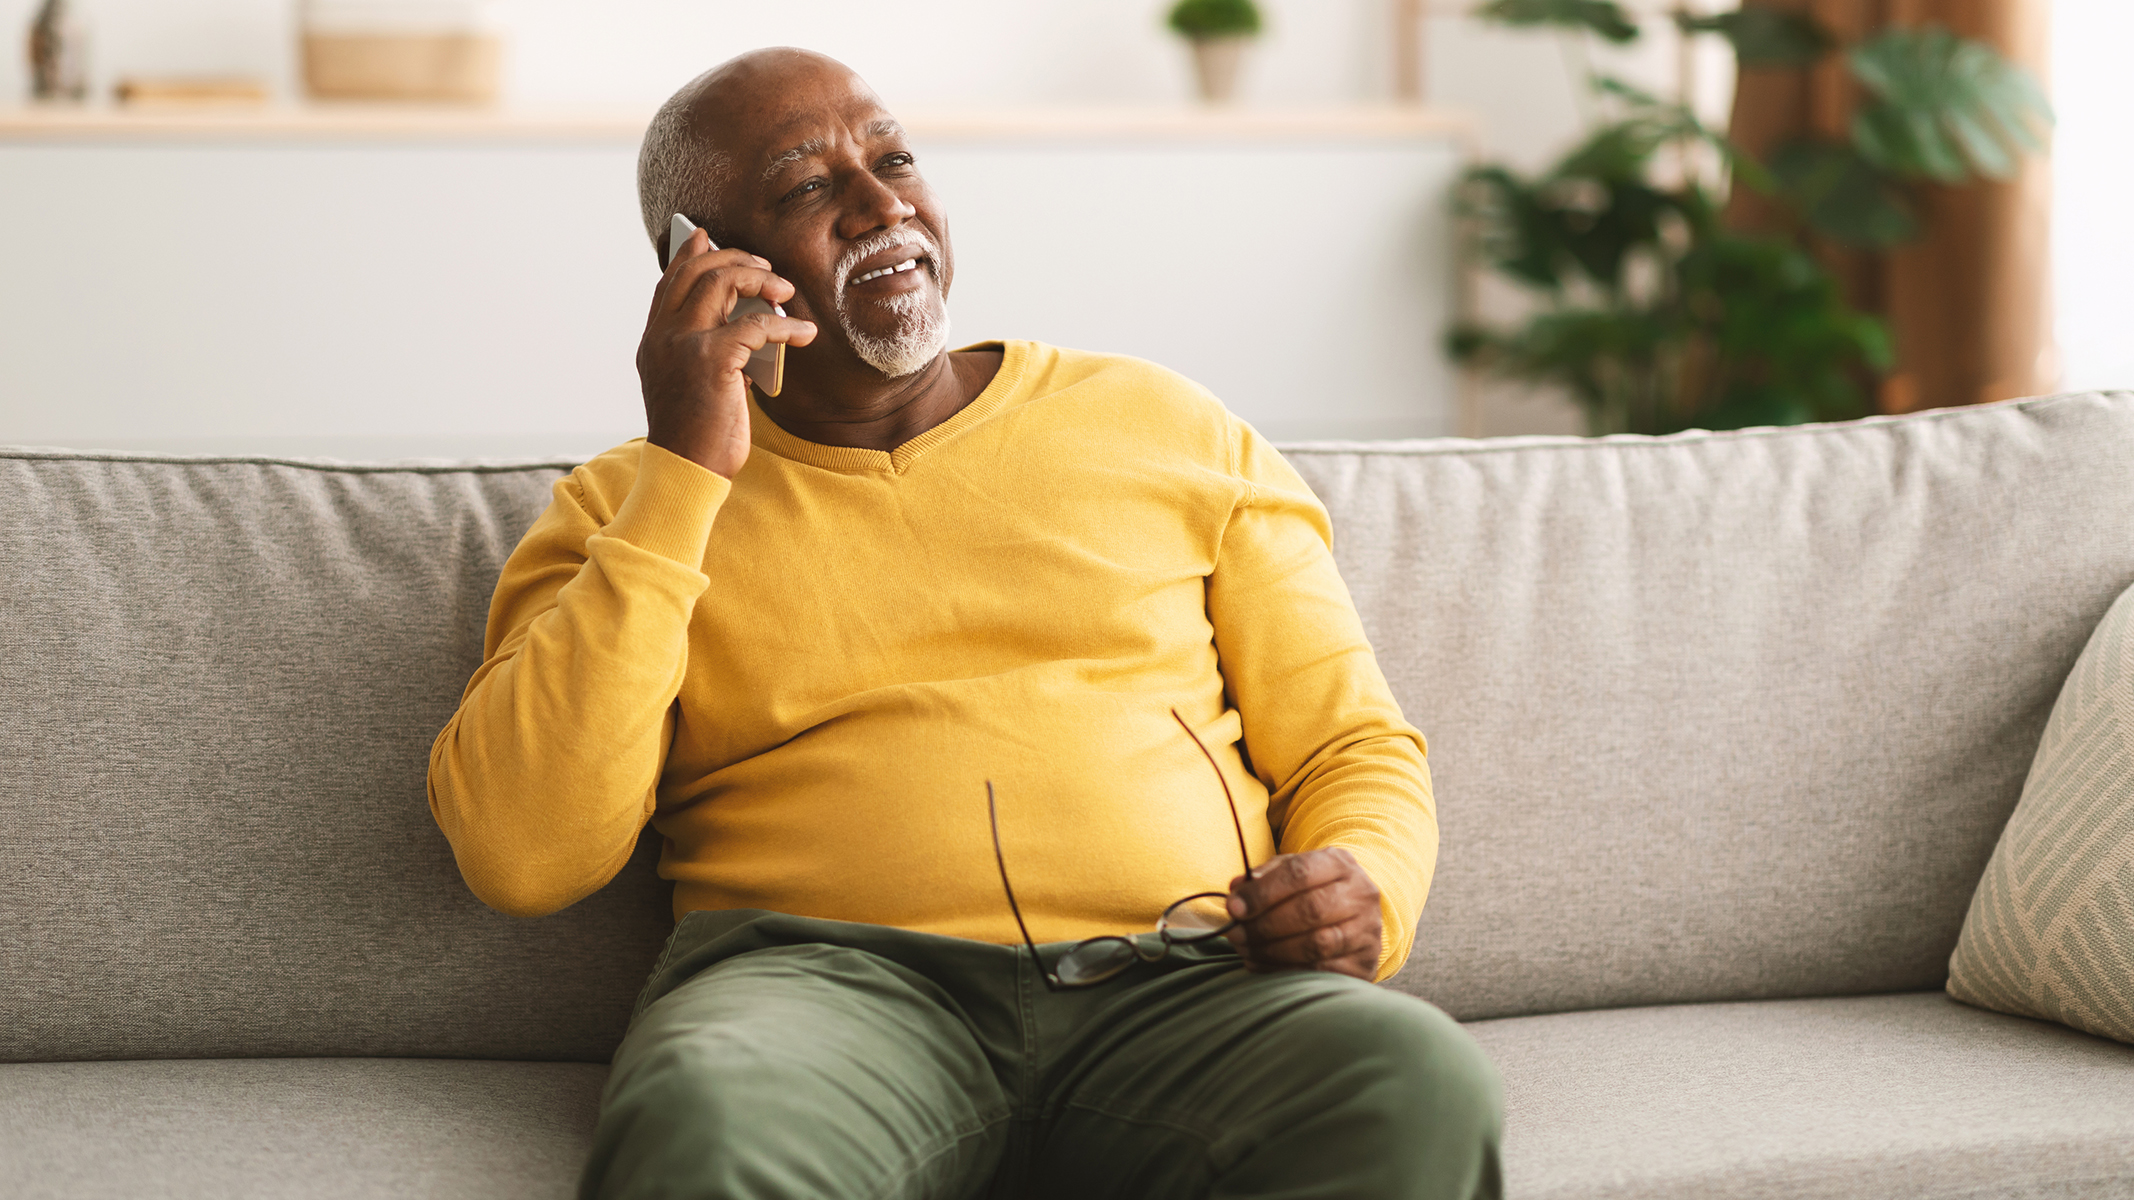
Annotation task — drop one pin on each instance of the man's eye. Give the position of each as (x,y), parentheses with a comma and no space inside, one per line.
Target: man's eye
(899,159)
(809,186)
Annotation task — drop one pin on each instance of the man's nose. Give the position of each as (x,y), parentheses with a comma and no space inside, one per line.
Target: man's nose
(869,205)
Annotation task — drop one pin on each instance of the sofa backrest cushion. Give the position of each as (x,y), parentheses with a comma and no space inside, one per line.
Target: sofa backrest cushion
(1725,716)
(222,681)
(1712,716)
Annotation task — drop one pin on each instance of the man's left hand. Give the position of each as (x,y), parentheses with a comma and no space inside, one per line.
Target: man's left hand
(1314,911)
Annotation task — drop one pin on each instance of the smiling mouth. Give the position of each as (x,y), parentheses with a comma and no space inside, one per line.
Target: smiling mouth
(909,264)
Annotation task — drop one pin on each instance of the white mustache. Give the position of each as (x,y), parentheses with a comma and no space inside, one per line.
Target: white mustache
(888,239)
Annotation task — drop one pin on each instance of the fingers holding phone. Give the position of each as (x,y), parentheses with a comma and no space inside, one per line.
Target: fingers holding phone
(714,325)
(721,286)
(766,367)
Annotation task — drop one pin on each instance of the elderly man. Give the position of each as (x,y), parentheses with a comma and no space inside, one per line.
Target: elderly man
(922,661)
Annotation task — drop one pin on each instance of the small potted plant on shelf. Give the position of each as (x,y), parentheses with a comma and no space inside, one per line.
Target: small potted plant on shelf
(1218,31)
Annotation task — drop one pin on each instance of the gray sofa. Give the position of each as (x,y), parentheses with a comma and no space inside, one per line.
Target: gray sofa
(1724,729)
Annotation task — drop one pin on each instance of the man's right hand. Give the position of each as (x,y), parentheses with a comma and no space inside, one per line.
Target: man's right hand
(690,360)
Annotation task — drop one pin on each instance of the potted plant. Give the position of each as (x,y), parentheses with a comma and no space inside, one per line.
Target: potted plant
(1218,31)
(1654,313)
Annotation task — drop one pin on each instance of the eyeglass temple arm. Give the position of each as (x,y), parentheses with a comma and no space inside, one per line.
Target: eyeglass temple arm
(1235,822)
(992,813)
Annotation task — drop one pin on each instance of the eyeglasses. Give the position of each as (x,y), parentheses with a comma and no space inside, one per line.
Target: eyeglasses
(1196,918)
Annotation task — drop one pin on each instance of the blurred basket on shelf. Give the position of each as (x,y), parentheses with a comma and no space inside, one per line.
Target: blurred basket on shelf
(435,51)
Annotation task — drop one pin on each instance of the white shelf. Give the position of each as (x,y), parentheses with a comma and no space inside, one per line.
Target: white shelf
(392,123)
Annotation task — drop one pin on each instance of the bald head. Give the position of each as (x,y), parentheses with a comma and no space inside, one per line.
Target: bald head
(689,160)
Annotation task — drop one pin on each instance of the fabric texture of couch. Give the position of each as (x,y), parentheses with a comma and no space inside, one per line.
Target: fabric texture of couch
(1724,728)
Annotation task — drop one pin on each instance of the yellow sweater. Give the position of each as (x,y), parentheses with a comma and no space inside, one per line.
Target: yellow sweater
(805,677)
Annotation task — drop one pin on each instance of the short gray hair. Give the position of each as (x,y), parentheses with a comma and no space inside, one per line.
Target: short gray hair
(676,171)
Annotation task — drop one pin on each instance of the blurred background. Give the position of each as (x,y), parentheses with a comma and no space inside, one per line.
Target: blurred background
(227,232)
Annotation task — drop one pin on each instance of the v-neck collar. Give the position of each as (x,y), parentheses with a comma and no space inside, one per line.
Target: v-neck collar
(766,434)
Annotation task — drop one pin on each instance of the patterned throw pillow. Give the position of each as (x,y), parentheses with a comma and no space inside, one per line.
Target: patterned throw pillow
(2051,928)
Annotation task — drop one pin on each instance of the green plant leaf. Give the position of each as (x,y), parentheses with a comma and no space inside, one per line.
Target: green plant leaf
(1783,336)
(1515,229)
(1749,405)
(1763,37)
(1602,240)
(1603,17)
(1616,85)
(1653,315)
(1550,231)
(1946,108)
(1619,151)
(1842,195)
(1625,148)
(1215,18)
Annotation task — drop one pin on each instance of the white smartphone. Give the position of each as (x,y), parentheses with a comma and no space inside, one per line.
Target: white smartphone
(766,367)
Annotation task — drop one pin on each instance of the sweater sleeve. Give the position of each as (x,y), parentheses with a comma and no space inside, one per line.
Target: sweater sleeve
(1322,730)
(547,773)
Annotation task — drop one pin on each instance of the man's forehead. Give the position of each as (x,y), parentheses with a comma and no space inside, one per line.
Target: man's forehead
(806,137)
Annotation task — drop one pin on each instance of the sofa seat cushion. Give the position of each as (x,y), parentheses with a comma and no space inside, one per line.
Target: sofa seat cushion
(1903,1097)
(296,1127)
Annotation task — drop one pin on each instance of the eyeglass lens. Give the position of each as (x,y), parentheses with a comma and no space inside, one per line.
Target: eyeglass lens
(1196,917)
(1095,961)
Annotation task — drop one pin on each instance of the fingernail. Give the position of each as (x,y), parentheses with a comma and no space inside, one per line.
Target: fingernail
(1236,906)
(761,261)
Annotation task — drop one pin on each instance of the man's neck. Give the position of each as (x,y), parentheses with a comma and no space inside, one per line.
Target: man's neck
(882,414)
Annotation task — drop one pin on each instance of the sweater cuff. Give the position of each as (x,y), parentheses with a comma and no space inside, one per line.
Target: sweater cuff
(670,507)
(1399,935)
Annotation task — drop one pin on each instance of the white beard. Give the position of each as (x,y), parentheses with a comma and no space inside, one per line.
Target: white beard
(922,325)
(921,336)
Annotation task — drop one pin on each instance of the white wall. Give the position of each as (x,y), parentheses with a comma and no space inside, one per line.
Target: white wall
(635,52)
(218,330)
(349,301)
(372,299)
(2093,191)
(948,53)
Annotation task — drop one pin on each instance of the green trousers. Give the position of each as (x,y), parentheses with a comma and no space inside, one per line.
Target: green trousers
(782,1058)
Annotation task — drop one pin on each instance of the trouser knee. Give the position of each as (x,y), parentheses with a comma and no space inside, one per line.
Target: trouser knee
(1451,1100)
(675,1116)
(1390,1100)
(1420,1076)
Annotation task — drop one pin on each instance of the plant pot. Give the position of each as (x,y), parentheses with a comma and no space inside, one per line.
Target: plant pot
(1215,66)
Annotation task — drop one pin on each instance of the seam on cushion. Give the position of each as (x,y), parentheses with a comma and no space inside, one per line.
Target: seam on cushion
(509,466)
(326,467)
(1998,1190)
(1687,437)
